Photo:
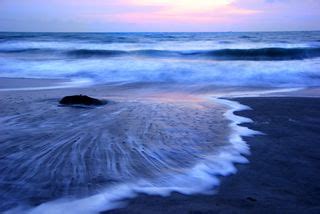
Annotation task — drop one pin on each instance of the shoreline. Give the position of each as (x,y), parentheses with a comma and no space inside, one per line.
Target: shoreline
(283,173)
(21,82)
(174,110)
(207,174)
(10,84)
(238,124)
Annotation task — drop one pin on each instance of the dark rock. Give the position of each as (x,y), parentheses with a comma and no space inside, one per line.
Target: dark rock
(80,100)
(251,199)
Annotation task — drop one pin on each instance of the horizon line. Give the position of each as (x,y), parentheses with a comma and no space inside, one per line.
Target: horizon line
(266,31)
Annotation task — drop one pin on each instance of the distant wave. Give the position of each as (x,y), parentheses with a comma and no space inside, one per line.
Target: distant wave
(261,54)
(23,50)
(223,54)
(264,54)
(95,53)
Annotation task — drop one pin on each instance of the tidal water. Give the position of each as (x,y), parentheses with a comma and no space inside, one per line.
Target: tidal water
(163,129)
(233,59)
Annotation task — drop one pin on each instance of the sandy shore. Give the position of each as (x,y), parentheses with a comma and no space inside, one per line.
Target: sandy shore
(284,171)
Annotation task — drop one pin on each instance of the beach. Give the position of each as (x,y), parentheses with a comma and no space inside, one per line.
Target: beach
(283,174)
(50,151)
(178,122)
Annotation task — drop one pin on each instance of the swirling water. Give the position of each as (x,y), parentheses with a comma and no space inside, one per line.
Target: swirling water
(151,145)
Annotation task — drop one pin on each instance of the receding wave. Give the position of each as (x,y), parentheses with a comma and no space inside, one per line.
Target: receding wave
(171,147)
(100,151)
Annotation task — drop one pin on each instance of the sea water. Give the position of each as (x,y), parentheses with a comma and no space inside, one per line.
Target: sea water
(233,59)
(160,137)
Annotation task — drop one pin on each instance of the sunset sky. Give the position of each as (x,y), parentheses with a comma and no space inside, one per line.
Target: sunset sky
(159,15)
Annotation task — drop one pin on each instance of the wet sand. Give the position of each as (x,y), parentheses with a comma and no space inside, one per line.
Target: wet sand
(284,170)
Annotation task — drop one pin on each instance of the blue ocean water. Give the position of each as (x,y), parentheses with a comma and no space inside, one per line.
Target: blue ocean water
(87,160)
(232,59)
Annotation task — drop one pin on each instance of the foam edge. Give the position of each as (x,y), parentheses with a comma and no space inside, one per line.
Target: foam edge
(200,179)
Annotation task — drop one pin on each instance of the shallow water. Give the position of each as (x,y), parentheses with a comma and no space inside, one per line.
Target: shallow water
(50,152)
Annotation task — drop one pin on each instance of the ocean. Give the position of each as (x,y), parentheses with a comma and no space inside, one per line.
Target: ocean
(164,128)
(279,59)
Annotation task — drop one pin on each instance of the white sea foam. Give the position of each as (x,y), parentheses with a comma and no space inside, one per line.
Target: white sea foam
(259,93)
(202,178)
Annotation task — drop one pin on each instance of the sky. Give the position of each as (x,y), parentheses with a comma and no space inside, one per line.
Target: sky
(158,15)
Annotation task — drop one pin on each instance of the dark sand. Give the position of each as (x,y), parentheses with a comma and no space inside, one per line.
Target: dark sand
(284,171)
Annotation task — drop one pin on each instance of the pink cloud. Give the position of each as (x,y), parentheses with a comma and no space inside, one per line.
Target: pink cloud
(159,15)
(166,13)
